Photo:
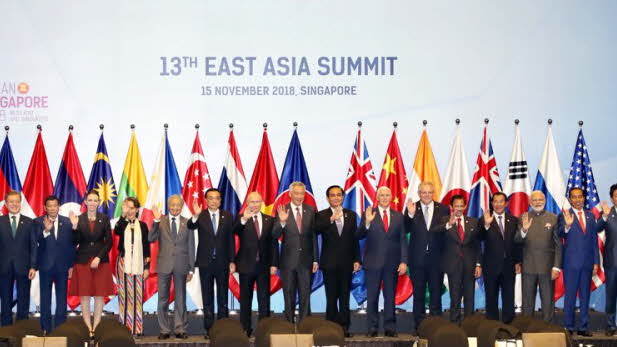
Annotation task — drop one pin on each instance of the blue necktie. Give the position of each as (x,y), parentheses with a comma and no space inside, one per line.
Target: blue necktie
(214,228)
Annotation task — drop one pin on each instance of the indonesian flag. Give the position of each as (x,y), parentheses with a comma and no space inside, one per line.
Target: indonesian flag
(37,186)
(196,183)
(394,177)
(457,179)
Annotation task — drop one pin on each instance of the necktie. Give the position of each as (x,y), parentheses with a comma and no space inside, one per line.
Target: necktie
(581,221)
(174,228)
(14,225)
(386,223)
(461,232)
(258,231)
(339,226)
(53,230)
(299,220)
(427,220)
(256,224)
(214,229)
(500,223)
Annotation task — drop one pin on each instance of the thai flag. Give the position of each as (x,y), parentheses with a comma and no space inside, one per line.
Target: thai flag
(294,170)
(360,188)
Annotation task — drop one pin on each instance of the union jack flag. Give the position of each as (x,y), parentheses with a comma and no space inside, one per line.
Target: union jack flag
(485,180)
(581,176)
(360,188)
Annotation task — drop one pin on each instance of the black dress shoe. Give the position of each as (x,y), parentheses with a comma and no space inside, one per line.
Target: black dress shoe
(182,336)
(163,336)
(371,334)
(206,336)
(348,334)
(570,332)
(585,333)
(610,331)
(391,333)
(248,332)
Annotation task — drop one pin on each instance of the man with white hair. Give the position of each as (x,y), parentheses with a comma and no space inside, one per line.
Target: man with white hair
(299,252)
(541,256)
(385,259)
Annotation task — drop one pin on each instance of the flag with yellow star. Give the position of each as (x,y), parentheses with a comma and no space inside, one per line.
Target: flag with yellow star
(102,180)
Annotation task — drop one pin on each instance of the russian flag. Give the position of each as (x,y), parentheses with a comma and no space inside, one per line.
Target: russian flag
(549,179)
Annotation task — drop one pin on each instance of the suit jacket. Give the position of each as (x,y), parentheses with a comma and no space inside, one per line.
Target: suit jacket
(609,227)
(177,256)
(501,253)
(297,249)
(338,251)
(55,253)
(21,250)
(266,246)
(541,246)
(93,244)
(223,240)
(580,250)
(120,230)
(384,249)
(420,237)
(460,254)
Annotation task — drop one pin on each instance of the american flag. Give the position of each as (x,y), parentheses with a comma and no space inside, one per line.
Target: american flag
(360,188)
(581,176)
(485,180)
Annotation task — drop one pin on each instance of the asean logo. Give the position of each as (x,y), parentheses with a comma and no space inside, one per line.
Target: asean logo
(23,88)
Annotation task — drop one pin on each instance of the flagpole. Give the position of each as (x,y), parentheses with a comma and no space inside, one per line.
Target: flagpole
(232,298)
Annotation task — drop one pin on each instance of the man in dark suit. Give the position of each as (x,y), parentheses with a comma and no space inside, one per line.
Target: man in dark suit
(608,225)
(580,259)
(501,259)
(256,260)
(18,261)
(385,258)
(299,251)
(460,258)
(215,254)
(425,247)
(340,255)
(56,254)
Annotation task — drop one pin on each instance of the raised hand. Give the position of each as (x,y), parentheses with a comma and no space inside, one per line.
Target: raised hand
(606,210)
(48,224)
(568,218)
(338,213)
(156,213)
(196,208)
(283,213)
(247,214)
(411,207)
(526,221)
(452,219)
(369,214)
(74,219)
(488,217)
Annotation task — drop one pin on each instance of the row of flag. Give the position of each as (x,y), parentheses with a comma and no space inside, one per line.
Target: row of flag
(360,187)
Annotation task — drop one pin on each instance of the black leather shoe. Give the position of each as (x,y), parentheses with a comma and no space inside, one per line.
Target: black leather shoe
(248,332)
(585,333)
(570,332)
(348,334)
(163,336)
(182,336)
(372,334)
(206,336)
(610,331)
(391,333)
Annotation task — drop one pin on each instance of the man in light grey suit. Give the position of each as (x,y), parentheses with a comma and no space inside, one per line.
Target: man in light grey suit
(541,256)
(176,259)
(299,252)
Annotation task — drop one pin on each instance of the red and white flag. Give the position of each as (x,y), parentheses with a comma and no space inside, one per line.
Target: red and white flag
(196,182)
(456,181)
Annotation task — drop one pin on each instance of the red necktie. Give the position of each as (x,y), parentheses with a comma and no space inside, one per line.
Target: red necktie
(581,221)
(299,220)
(256,224)
(385,220)
(461,232)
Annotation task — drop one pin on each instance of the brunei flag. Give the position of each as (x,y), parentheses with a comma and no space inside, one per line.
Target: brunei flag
(394,177)
(265,181)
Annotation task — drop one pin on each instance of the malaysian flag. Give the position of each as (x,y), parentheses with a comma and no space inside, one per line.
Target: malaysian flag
(359,192)
(581,176)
